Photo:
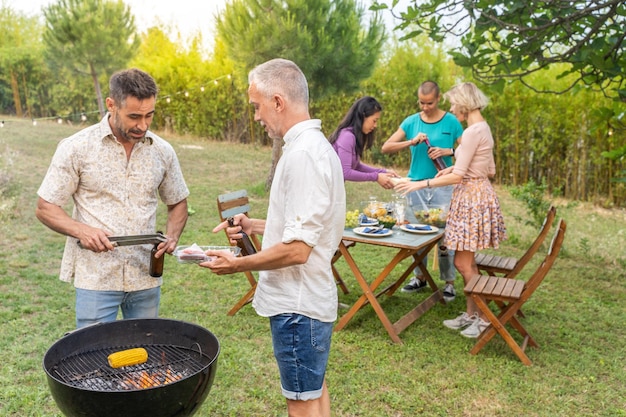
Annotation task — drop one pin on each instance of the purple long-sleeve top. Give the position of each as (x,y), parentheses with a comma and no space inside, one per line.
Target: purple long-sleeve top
(353,168)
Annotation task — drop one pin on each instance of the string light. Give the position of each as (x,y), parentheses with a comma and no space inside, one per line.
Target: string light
(83,115)
(186,93)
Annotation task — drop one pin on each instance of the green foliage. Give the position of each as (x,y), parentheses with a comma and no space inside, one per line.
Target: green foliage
(90,37)
(513,38)
(21,60)
(533,195)
(325,38)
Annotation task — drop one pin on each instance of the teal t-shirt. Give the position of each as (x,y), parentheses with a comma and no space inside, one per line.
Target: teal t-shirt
(442,134)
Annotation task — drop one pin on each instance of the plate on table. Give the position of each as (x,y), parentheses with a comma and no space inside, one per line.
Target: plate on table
(372,231)
(368,221)
(419,228)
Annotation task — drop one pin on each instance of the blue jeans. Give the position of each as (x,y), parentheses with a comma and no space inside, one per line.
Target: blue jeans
(423,200)
(102,306)
(301,348)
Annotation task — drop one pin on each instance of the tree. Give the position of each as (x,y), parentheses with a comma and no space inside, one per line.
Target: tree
(325,38)
(20,55)
(90,37)
(512,39)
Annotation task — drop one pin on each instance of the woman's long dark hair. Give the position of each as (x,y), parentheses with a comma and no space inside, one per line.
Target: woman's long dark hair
(362,108)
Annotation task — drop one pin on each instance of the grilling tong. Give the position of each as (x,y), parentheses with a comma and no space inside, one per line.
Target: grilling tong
(130,240)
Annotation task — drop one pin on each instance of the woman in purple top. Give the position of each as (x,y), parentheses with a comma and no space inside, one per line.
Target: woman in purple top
(353,136)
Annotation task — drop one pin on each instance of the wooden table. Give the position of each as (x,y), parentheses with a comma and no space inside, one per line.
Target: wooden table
(408,244)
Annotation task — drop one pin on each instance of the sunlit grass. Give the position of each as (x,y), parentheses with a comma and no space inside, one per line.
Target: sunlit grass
(577,314)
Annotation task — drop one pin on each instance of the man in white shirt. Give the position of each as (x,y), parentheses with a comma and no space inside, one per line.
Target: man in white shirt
(304,226)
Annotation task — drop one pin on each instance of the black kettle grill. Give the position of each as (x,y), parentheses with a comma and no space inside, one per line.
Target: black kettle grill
(176,379)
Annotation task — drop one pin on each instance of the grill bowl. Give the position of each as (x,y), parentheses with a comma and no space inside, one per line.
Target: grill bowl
(179,398)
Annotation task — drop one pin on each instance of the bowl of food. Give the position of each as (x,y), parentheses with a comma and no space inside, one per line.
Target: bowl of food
(374,209)
(435,216)
(387,221)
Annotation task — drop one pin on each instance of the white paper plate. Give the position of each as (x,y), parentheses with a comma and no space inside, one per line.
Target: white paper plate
(433,229)
(360,231)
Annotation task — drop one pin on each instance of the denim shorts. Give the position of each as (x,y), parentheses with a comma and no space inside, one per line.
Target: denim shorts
(102,306)
(301,348)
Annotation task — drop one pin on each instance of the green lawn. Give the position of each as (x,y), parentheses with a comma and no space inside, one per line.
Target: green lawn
(577,316)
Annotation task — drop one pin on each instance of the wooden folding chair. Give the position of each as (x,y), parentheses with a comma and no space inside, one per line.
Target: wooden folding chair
(511,295)
(228,205)
(509,266)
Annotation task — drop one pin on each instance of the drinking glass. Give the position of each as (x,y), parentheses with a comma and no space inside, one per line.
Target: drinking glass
(399,209)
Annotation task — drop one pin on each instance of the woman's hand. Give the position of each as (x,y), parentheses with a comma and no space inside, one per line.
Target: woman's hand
(445,171)
(406,187)
(393,173)
(384,180)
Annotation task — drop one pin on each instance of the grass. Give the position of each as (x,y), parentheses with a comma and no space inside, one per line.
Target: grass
(576,316)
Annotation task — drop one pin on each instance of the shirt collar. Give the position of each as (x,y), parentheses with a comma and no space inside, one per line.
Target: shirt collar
(296,130)
(106,132)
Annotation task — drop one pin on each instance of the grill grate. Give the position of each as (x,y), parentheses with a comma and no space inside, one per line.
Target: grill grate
(90,370)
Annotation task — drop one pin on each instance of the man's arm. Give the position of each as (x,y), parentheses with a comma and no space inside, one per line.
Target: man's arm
(177,215)
(58,220)
(278,256)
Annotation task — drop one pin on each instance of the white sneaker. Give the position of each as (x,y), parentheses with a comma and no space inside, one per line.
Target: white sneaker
(460,322)
(476,328)
(449,293)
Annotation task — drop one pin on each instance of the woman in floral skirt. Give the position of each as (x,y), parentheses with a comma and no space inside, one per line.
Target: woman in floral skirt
(475,221)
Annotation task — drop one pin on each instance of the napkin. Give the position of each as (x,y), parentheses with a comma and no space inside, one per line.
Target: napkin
(420,227)
(375,231)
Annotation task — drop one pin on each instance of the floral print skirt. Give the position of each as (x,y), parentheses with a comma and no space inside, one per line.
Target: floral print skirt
(475,221)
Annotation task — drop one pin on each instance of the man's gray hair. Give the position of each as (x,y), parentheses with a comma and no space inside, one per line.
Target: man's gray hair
(283,77)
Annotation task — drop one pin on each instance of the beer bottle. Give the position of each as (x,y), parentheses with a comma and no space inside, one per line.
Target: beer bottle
(439,163)
(156,264)
(245,244)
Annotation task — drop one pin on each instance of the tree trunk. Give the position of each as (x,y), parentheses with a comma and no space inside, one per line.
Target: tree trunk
(96,84)
(277,147)
(16,94)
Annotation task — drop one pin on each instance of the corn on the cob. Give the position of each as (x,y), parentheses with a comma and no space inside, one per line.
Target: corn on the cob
(128,357)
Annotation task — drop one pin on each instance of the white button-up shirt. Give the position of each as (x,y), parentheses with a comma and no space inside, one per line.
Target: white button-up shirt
(307,203)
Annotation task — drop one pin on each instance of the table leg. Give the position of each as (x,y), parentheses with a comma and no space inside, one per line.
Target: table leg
(368,291)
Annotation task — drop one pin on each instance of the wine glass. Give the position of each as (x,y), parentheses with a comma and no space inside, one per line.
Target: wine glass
(428,193)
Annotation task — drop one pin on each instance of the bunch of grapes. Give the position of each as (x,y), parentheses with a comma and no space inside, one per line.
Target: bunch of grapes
(352,219)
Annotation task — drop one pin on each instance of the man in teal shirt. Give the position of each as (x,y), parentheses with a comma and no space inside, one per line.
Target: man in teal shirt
(442,129)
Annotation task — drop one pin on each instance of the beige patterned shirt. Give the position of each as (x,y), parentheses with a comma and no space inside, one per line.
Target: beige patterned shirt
(115,194)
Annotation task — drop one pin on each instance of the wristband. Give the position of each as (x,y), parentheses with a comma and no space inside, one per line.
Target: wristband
(427,183)
(452,149)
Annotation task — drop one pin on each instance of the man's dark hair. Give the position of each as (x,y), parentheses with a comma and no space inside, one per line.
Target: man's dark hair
(131,82)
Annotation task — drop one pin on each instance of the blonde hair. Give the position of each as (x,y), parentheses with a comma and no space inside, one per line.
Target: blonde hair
(467,97)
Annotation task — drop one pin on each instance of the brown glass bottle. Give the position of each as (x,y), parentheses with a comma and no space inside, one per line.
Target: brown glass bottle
(245,244)
(156,264)
(439,162)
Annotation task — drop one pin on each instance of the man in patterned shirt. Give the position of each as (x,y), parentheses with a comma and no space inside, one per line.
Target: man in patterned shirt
(115,172)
